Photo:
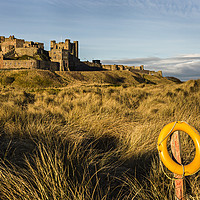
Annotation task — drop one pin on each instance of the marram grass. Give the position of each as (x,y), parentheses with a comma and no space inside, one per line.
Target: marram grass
(89,142)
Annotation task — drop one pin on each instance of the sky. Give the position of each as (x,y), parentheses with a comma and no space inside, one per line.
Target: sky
(159,34)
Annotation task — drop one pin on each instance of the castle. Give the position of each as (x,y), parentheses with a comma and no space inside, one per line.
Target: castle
(63,56)
(20,54)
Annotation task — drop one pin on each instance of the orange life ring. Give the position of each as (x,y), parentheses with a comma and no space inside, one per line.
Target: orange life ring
(174,167)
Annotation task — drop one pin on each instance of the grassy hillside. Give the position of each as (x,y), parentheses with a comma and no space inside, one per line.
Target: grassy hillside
(88,142)
(125,78)
(30,79)
(47,79)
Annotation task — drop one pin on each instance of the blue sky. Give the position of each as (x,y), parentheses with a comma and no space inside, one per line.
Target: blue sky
(161,34)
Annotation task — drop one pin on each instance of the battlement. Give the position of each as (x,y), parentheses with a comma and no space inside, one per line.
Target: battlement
(72,48)
(139,69)
(19,46)
(29,44)
(7,44)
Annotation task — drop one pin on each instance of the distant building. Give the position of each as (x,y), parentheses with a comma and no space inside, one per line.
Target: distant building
(20,54)
(63,56)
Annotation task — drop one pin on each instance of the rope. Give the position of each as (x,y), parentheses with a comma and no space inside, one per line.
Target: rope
(170,178)
(173,128)
(191,127)
(168,133)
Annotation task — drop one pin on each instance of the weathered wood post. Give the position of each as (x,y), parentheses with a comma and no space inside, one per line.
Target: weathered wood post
(176,151)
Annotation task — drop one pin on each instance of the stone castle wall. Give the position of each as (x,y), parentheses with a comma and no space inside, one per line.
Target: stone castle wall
(48,65)
(122,67)
(114,67)
(92,64)
(19,64)
(29,64)
(139,69)
(158,73)
(27,51)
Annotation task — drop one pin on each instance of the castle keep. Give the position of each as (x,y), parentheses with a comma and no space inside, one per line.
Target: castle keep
(63,56)
(65,53)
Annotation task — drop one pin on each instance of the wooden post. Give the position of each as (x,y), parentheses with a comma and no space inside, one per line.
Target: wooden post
(176,151)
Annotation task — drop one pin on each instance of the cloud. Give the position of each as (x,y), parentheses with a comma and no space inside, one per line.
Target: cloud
(184,67)
(89,2)
(177,7)
(132,8)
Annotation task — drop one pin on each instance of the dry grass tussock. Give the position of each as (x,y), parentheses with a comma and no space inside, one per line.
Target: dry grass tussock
(92,142)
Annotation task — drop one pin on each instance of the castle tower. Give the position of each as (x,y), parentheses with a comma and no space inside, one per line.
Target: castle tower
(76,49)
(53,44)
(65,53)
(67,44)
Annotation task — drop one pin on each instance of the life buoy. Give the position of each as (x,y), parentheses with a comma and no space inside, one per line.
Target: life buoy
(174,167)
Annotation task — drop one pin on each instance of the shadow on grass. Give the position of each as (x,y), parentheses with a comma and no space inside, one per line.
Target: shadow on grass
(92,162)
